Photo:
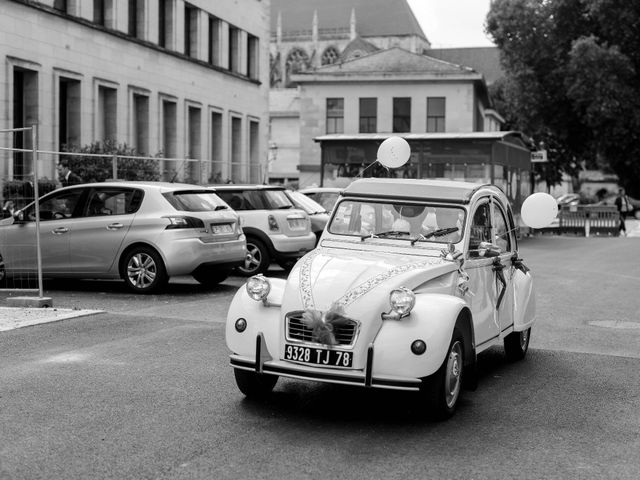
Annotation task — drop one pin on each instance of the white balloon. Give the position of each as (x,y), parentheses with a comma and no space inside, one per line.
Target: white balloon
(539,210)
(394,152)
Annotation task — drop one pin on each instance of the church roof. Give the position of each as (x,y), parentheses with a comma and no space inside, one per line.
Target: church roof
(358,47)
(393,61)
(373,17)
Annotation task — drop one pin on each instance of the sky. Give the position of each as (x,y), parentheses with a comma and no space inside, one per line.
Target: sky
(453,23)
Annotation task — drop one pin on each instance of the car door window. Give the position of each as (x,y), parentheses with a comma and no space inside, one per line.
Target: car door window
(58,206)
(480,230)
(108,201)
(501,230)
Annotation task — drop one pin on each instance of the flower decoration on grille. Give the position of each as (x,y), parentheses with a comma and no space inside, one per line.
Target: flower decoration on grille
(323,324)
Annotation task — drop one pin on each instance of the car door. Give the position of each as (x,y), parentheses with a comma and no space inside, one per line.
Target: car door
(482,296)
(101,228)
(57,212)
(504,239)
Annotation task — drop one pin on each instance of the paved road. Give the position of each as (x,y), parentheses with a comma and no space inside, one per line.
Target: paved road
(145,392)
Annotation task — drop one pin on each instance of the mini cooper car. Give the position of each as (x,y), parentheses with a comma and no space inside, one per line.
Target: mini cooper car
(410,281)
(275,228)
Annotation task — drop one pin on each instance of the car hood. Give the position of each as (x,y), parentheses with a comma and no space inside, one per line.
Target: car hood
(357,280)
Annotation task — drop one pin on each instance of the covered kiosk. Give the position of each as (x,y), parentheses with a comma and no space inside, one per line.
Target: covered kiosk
(500,158)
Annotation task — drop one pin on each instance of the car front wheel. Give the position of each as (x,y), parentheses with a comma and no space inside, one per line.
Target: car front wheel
(257,259)
(254,385)
(442,389)
(144,271)
(516,345)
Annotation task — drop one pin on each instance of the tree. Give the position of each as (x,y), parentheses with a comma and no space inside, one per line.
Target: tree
(572,81)
(98,166)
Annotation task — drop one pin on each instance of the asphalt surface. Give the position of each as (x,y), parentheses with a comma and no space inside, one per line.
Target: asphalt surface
(144,391)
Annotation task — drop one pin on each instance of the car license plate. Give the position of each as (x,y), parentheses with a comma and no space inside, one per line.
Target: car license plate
(221,228)
(318,356)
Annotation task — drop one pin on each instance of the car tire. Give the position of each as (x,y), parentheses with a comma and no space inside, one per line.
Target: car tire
(211,276)
(254,385)
(257,259)
(443,389)
(516,345)
(143,270)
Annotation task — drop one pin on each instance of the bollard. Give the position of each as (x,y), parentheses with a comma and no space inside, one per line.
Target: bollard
(587,225)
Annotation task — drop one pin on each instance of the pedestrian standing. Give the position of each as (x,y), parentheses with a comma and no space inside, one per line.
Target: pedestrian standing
(624,207)
(67,177)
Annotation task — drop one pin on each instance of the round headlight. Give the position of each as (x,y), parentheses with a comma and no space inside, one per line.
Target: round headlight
(402,301)
(258,287)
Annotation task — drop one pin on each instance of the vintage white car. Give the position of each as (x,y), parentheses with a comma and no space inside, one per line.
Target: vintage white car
(410,281)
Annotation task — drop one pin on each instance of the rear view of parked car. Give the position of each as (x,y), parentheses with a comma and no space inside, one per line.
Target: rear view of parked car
(142,232)
(274,228)
(317,213)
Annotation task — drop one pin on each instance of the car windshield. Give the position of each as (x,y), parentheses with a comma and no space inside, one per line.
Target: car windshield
(398,220)
(305,203)
(195,201)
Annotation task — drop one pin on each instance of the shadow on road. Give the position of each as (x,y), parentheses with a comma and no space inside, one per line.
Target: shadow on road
(330,404)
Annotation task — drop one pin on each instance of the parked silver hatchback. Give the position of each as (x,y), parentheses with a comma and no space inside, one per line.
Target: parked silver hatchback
(142,232)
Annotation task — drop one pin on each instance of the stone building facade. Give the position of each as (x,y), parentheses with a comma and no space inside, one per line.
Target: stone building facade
(363,50)
(170,77)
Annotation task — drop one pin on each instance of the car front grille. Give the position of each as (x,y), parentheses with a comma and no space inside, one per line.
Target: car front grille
(296,330)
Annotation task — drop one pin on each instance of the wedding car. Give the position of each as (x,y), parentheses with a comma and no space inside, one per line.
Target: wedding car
(410,281)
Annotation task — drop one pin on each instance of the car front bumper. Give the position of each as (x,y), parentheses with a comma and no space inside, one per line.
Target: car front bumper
(266,364)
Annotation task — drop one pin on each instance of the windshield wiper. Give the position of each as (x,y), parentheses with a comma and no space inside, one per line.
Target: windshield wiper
(436,233)
(285,207)
(383,234)
(220,207)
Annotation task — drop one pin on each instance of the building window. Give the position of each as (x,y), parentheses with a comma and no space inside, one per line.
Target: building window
(194,146)
(236,150)
(25,114)
(252,57)
(435,114)
(60,5)
(330,56)
(98,12)
(69,113)
(190,30)
(140,125)
(401,115)
(368,115)
(234,50)
(217,163)
(297,61)
(214,41)
(335,115)
(256,174)
(133,18)
(165,23)
(106,118)
(169,138)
